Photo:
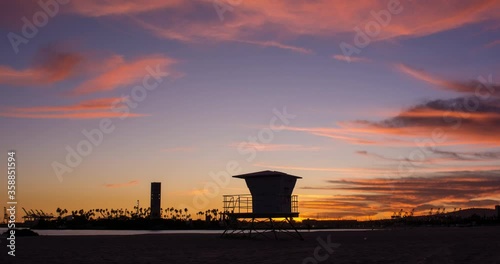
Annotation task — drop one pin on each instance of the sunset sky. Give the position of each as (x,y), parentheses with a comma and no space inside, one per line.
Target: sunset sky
(378,105)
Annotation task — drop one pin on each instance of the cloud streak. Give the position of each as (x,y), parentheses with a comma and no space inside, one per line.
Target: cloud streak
(480,88)
(492,44)
(350,58)
(119,73)
(89,109)
(121,185)
(180,149)
(274,147)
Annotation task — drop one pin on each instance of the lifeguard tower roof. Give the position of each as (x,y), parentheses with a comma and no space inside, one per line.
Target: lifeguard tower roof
(266,173)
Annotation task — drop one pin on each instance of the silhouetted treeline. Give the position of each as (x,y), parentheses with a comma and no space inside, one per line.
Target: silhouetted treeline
(139,218)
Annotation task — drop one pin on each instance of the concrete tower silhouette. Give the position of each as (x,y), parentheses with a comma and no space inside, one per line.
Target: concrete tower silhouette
(156,200)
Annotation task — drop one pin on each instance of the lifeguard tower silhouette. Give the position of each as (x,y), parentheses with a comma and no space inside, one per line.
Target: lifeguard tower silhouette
(270,207)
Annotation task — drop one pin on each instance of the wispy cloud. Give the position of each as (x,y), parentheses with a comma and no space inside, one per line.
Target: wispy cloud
(120,73)
(89,109)
(474,87)
(378,156)
(434,155)
(120,185)
(350,58)
(274,147)
(353,171)
(180,149)
(333,133)
(385,171)
(278,45)
(492,44)
(96,8)
(468,156)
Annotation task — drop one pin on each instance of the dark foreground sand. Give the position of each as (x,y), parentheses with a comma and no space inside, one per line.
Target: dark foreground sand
(416,245)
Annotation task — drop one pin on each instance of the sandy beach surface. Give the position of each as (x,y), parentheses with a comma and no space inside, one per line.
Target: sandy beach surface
(411,245)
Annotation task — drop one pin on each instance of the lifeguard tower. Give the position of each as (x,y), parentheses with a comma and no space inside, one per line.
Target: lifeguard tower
(270,207)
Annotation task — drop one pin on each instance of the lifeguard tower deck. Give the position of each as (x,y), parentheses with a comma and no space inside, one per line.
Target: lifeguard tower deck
(270,207)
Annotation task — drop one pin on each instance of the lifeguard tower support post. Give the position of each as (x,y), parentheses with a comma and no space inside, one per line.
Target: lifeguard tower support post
(270,199)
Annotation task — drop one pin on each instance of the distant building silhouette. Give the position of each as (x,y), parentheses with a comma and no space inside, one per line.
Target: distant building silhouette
(497,207)
(156,200)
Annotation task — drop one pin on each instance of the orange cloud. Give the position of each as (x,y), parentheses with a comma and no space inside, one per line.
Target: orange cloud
(50,66)
(120,185)
(458,121)
(458,124)
(121,73)
(454,189)
(90,109)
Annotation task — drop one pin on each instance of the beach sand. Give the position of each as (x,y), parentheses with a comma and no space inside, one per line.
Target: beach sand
(411,245)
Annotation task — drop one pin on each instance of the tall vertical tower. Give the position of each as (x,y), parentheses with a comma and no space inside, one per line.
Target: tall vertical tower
(155,200)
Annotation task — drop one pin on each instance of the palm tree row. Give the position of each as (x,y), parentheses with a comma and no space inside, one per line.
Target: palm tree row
(169,213)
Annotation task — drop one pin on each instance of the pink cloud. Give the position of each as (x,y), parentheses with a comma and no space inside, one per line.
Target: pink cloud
(121,73)
(120,185)
(89,109)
